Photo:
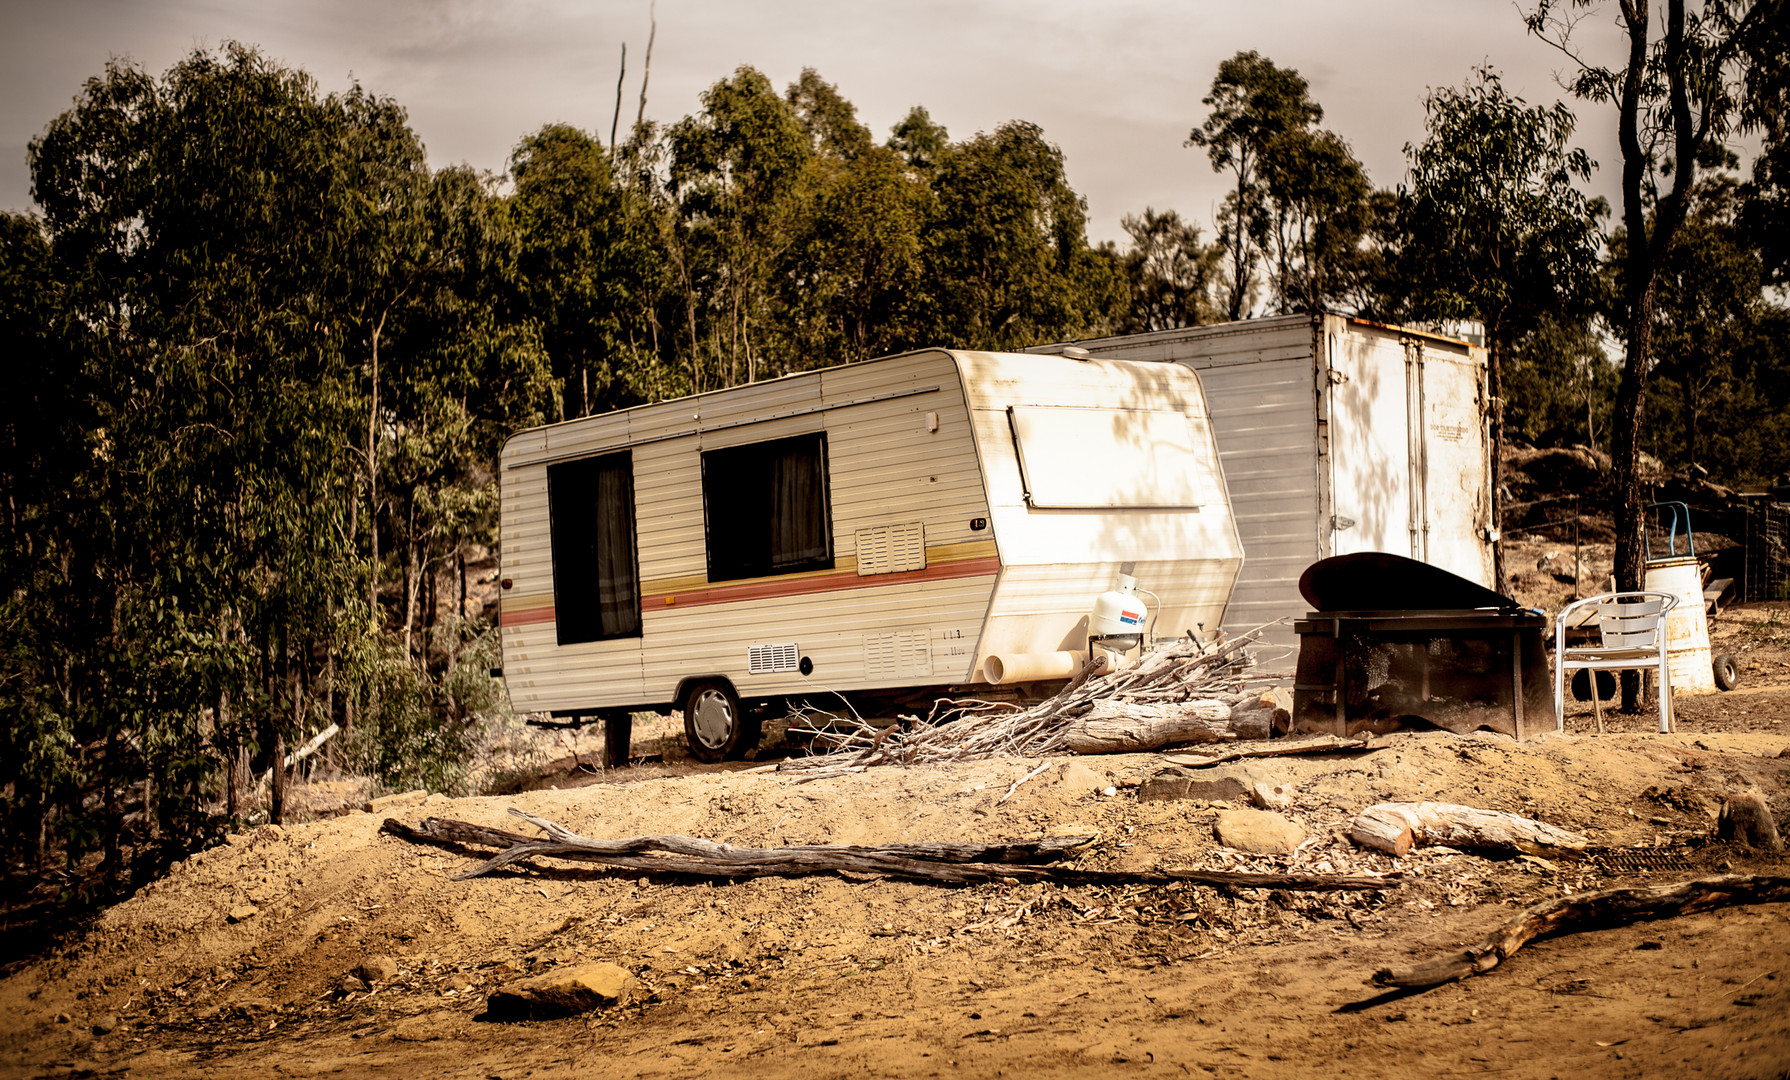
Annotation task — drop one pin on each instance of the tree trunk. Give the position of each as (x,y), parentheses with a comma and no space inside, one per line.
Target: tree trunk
(1495,391)
(1625,454)
(1119,727)
(1395,827)
(945,863)
(1587,910)
(373,482)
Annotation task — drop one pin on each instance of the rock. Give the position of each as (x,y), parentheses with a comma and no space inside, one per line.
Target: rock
(1078,779)
(1206,785)
(1560,566)
(353,984)
(1270,794)
(105,1025)
(64,1018)
(1745,819)
(1261,831)
(566,991)
(394,802)
(377,969)
(243,913)
(416,1029)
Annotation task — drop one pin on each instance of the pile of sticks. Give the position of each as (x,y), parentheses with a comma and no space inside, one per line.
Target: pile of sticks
(1191,680)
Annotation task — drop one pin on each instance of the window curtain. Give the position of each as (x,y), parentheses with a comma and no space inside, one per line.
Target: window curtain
(798,504)
(618,586)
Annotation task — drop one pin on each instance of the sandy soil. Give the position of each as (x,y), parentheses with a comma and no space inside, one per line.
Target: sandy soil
(234,964)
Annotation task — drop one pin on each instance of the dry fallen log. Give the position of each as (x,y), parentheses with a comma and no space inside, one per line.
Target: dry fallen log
(1324,744)
(1396,827)
(1123,727)
(946,863)
(1586,911)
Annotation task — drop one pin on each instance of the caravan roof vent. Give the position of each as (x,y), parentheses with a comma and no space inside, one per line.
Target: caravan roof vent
(1075,352)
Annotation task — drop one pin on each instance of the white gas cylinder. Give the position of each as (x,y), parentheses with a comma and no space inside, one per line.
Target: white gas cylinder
(1118,611)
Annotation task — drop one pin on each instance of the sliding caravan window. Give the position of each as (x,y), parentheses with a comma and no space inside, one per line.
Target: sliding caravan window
(765,505)
(1090,458)
(596,577)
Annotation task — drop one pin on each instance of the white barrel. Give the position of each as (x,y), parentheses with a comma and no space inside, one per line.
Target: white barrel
(1688,663)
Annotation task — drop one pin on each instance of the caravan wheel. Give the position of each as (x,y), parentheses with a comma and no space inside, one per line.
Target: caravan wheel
(714,725)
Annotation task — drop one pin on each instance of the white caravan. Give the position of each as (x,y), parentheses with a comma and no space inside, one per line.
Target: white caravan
(876,531)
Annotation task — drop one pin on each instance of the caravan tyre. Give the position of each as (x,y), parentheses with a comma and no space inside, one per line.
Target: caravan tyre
(714,725)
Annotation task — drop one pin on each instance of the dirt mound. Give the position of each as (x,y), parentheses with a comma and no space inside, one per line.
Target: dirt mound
(328,947)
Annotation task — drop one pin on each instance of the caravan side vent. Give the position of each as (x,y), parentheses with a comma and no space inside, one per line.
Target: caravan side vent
(890,549)
(766,659)
(902,653)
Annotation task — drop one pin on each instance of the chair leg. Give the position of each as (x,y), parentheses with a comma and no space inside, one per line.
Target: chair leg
(1665,699)
(1597,704)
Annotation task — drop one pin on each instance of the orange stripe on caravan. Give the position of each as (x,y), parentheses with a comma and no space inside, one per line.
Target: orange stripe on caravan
(775,588)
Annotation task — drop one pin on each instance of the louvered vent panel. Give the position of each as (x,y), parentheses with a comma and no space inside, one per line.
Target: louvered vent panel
(766,659)
(891,549)
(902,654)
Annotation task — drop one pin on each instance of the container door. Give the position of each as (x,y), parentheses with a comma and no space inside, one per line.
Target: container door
(1456,497)
(1372,459)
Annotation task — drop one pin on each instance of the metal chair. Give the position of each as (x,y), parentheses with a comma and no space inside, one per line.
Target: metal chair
(1629,631)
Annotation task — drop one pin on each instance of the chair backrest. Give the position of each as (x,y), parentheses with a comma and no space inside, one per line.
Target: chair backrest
(1633,624)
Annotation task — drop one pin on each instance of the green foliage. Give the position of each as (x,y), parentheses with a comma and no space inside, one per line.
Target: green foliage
(1719,345)
(1500,232)
(1007,258)
(195,567)
(1169,271)
(1561,385)
(1676,96)
(1293,221)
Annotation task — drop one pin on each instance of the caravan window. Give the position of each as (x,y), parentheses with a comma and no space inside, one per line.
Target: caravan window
(596,580)
(1091,458)
(765,505)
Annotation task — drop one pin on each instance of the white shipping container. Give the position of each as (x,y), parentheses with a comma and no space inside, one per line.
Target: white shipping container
(1337,435)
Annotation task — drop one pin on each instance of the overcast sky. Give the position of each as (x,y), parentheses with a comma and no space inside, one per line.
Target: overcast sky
(1116,84)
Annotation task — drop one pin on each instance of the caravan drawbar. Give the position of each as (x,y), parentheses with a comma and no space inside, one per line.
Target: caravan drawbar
(932,521)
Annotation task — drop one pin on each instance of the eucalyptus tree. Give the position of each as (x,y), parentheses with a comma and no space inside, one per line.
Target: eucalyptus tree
(1253,103)
(178,212)
(589,267)
(1317,202)
(919,140)
(737,170)
(1721,399)
(1500,231)
(266,301)
(48,595)
(1007,259)
(1170,272)
(1677,91)
(848,283)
